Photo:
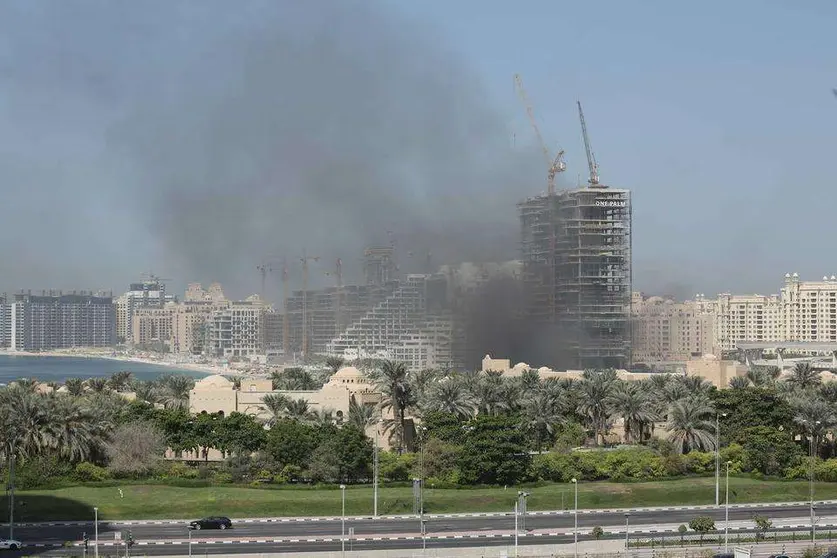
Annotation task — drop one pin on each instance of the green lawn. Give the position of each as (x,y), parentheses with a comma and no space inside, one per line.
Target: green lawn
(160,501)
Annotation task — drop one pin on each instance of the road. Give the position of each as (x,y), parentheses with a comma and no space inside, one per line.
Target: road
(311,534)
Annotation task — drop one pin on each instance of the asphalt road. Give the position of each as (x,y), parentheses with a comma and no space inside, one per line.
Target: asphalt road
(587,519)
(332,545)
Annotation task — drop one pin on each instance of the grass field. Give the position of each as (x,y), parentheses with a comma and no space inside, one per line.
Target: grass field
(160,501)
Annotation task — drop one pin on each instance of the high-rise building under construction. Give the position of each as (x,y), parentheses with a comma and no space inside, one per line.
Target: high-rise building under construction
(576,252)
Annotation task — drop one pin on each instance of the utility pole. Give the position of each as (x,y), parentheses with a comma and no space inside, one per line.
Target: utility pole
(10,455)
(305,259)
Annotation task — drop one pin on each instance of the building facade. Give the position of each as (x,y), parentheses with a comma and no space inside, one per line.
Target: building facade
(61,321)
(576,255)
(238,330)
(664,330)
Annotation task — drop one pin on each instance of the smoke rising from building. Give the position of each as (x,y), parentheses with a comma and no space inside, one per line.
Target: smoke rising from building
(212,136)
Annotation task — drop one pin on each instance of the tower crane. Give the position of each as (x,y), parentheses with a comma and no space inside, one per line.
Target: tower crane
(286,322)
(554,164)
(591,157)
(305,259)
(264,268)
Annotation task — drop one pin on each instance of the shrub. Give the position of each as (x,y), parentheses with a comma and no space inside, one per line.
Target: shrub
(396,467)
(88,472)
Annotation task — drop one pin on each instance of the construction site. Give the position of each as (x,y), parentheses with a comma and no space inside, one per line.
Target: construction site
(576,256)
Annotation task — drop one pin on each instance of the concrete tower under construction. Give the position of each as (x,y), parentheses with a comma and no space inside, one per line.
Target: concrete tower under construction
(576,252)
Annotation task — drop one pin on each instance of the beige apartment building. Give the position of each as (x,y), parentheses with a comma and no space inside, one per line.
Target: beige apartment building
(664,330)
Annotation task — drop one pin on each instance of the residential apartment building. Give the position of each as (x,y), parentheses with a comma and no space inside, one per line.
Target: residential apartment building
(54,320)
(5,322)
(145,294)
(802,311)
(237,330)
(178,327)
(664,330)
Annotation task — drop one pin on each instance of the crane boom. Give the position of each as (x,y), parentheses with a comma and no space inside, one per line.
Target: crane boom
(556,164)
(591,158)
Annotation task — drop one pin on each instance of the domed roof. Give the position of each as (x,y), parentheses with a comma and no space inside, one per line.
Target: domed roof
(348,372)
(213,381)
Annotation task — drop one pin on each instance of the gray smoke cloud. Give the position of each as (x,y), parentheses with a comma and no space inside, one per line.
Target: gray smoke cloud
(198,138)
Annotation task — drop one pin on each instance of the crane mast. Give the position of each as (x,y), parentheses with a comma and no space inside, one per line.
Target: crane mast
(556,164)
(591,158)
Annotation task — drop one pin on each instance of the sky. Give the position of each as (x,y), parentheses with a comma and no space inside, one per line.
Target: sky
(196,141)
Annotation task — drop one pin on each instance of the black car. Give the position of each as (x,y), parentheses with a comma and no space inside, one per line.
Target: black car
(211,523)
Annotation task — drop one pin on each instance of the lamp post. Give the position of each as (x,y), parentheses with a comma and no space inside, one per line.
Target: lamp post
(627,526)
(811,428)
(726,513)
(96,532)
(516,530)
(375,475)
(575,524)
(190,543)
(718,457)
(343,521)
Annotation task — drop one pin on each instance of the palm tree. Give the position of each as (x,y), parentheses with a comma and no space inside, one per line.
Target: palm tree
(75,432)
(361,416)
(299,409)
(75,386)
(146,391)
(740,382)
(294,379)
(120,381)
(804,376)
(27,384)
(489,394)
(530,381)
(24,420)
(695,385)
(596,401)
(542,411)
(814,416)
(335,363)
(451,396)
(174,391)
(397,394)
(276,404)
(421,381)
(97,385)
(634,403)
(689,424)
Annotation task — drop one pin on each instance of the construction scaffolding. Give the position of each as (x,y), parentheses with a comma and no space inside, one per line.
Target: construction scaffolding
(576,251)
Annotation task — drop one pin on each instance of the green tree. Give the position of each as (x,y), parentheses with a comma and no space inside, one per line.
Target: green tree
(75,386)
(768,450)
(596,400)
(397,393)
(762,525)
(291,442)
(240,434)
(633,401)
(450,395)
(689,425)
(682,530)
(749,407)
(702,525)
(203,434)
(494,452)
(804,376)
(445,427)
(597,532)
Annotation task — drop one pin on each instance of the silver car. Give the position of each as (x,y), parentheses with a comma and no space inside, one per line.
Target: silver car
(9,544)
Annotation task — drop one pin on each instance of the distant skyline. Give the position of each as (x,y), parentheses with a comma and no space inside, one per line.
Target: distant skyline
(193,140)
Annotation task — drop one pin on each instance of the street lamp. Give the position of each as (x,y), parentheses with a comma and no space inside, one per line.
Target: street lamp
(96,532)
(627,526)
(516,530)
(718,457)
(190,543)
(343,521)
(811,473)
(726,513)
(575,525)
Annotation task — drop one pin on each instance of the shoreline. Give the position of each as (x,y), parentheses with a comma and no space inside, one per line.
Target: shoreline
(208,369)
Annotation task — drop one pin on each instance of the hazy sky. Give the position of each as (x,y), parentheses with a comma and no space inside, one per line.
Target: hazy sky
(193,139)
